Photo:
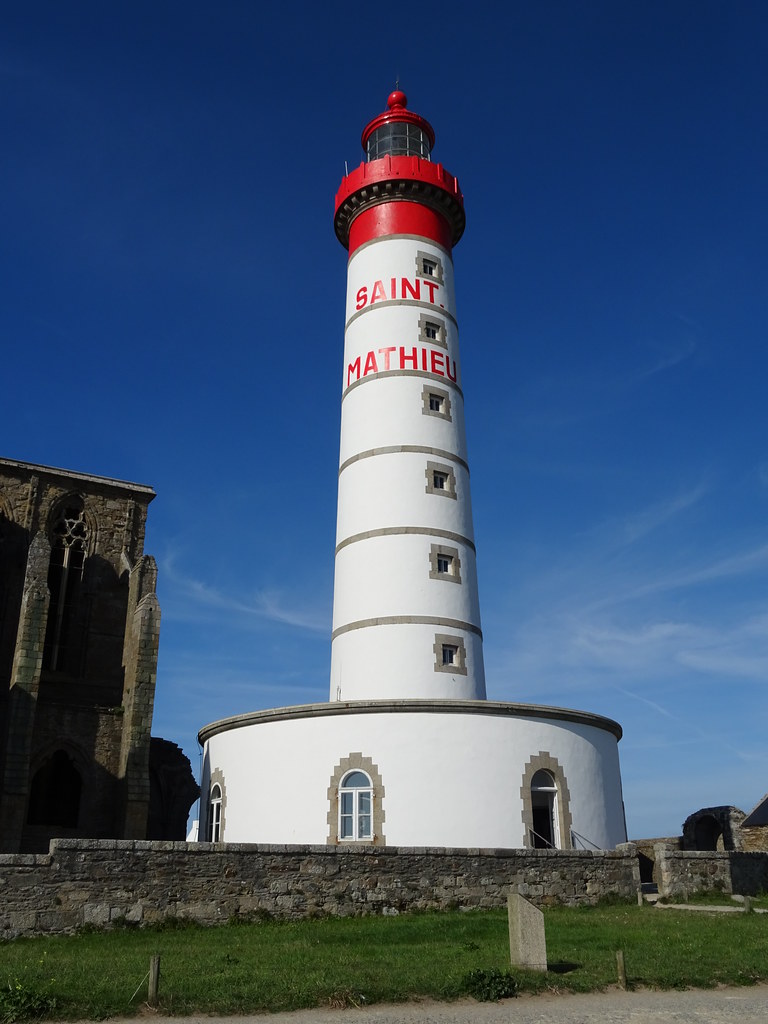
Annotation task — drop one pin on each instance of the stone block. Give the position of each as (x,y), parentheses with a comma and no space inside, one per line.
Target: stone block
(23,923)
(527,941)
(96,914)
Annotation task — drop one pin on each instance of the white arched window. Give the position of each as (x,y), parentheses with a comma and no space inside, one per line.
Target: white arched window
(213,828)
(355,807)
(546,831)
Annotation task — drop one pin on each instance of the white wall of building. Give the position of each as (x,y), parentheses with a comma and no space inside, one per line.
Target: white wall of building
(395,256)
(387,411)
(451,778)
(389,613)
(401,576)
(398,658)
(390,489)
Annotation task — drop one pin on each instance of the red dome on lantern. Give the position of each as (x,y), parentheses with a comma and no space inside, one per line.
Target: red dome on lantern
(399,114)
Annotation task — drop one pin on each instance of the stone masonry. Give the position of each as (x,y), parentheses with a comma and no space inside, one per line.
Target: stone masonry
(99,883)
(684,872)
(79,632)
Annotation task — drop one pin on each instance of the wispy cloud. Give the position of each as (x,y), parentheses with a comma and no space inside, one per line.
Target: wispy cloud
(263,605)
(568,398)
(639,525)
(672,357)
(608,611)
(687,726)
(727,661)
(740,564)
(579,648)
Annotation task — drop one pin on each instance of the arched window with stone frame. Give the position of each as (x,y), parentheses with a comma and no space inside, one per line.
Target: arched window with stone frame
(356,807)
(214,815)
(215,807)
(355,796)
(546,802)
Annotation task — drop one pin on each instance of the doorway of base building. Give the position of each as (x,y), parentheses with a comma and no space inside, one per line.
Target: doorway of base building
(546,832)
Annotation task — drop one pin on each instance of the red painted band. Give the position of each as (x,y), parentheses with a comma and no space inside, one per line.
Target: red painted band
(396,168)
(399,218)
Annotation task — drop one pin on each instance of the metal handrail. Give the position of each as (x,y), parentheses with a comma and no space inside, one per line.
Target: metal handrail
(575,834)
(542,838)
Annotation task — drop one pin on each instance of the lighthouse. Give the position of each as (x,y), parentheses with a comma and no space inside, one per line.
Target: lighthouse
(407,751)
(406,616)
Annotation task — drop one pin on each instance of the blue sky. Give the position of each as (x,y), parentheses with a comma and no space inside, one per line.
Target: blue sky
(172,313)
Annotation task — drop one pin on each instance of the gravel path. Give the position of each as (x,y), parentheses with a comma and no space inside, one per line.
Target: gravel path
(713,1006)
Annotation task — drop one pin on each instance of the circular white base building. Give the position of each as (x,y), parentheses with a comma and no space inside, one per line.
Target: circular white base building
(422,773)
(408,752)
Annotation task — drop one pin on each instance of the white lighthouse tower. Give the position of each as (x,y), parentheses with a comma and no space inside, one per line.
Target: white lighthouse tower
(406,618)
(408,751)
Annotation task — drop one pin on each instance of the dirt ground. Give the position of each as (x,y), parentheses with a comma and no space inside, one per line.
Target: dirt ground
(694,1006)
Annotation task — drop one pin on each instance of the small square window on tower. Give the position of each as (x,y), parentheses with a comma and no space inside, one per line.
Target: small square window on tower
(432,331)
(436,402)
(444,563)
(440,480)
(430,266)
(450,655)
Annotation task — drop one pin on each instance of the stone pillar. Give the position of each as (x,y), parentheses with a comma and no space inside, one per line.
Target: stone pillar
(22,695)
(527,941)
(142,637)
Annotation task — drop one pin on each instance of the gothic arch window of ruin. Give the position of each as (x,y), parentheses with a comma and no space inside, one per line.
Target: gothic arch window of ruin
(69,535)
(5,519)
(546,804)
(713,828)
(55,793)
(708,833)
(13,554)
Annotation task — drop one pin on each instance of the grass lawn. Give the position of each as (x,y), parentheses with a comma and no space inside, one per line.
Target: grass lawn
(265,966)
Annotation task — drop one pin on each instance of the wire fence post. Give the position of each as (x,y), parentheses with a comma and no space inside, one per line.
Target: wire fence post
(154,979)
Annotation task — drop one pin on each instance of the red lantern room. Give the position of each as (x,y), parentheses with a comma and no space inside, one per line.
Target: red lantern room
(399,189)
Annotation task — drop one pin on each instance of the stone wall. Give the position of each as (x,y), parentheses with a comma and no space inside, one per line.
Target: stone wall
(99,882)
(683,872)
(646,852)
(96,882)
(755,838)
(713,828)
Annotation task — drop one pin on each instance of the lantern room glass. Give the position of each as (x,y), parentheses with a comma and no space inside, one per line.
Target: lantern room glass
(398,139)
